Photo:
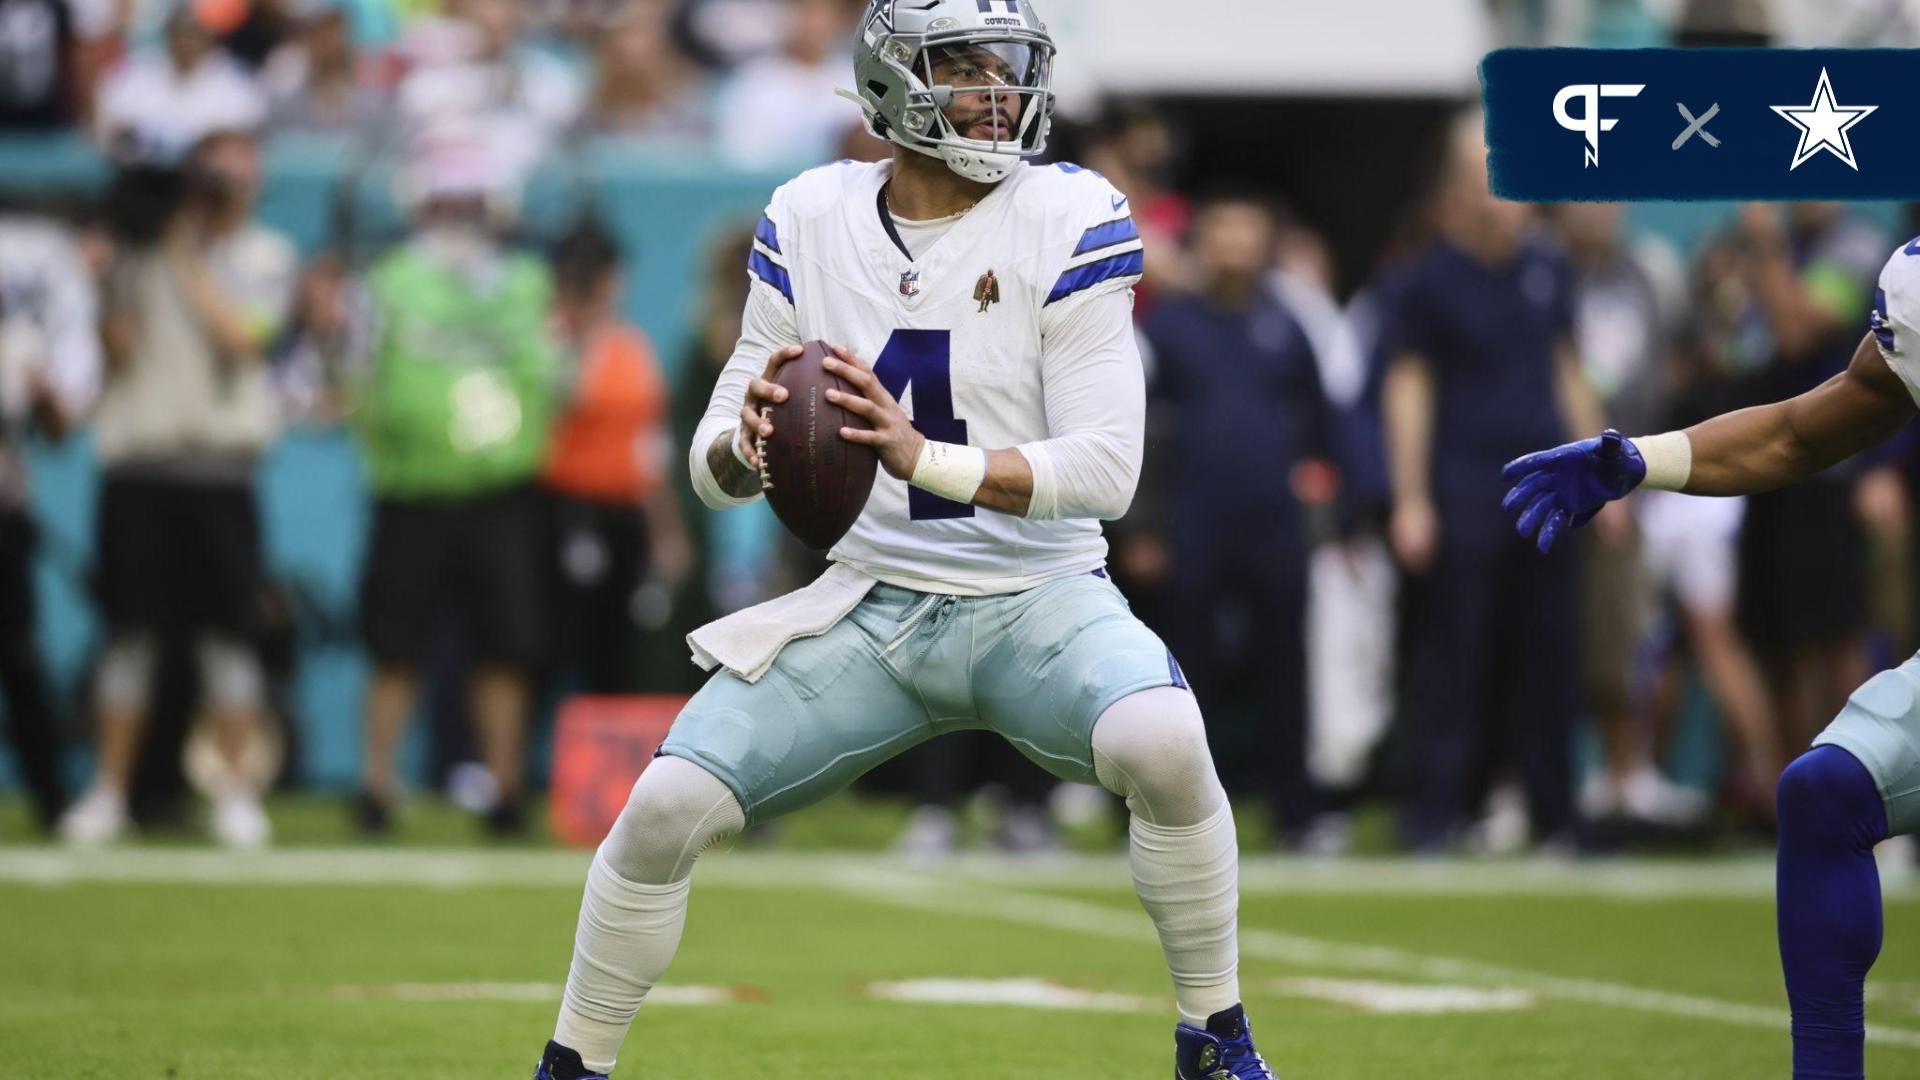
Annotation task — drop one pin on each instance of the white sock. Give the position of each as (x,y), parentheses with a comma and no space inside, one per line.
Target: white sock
(1188,880)
(627,936)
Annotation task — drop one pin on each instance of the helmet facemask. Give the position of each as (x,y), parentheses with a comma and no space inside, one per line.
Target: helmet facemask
(980,100)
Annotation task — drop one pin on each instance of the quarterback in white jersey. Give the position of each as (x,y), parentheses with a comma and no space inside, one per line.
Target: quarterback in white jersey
(1860,783)
(980,307)
(1005,324)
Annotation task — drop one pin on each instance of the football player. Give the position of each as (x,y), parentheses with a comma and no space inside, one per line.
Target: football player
(981,307)
(1860,783)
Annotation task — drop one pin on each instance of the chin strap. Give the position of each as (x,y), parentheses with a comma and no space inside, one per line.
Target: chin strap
(866,106)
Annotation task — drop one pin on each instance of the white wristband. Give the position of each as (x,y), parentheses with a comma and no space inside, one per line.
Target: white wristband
(1669,460)
(950,471)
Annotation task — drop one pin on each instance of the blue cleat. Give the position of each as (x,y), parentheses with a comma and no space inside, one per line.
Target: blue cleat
(1223,1050)
(560,1063)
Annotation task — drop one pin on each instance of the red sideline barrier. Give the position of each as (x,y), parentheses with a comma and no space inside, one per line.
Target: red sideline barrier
(600,746)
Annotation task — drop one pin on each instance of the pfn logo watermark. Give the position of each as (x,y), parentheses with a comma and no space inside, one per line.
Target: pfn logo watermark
(1589,122)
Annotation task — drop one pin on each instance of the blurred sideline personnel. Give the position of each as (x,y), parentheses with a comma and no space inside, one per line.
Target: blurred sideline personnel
(453,410)
(1234,365)
(1808,278)
(615,523)
(187,411)
(996,296)
(49,377)
(1624,319)
(1861,781)
(1484,366)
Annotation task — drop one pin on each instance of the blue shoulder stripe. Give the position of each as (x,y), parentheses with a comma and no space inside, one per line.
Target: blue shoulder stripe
(767,234)
(1117,231)
(1126,264)
(772,273)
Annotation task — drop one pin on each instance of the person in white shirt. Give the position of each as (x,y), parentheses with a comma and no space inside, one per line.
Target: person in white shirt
(781,109)
(157,105)
(186,413)
(476,76)
(981,307)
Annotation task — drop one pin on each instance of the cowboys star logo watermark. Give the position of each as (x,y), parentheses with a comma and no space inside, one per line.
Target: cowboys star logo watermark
(1823,125)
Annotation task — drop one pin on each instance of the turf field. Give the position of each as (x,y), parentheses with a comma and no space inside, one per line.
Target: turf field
(418,962)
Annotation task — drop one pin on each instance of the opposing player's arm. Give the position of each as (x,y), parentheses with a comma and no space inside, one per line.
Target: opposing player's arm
(1740,453)
(1770,446)
(1089,465)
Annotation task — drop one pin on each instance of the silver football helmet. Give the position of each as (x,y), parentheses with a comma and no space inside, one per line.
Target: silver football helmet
(917,59)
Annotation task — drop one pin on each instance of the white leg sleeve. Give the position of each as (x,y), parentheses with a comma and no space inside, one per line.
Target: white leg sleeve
(636,902)
(230,673)
(1151,748)
(125,677)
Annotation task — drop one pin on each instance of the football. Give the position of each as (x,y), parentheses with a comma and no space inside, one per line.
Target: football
(816,482)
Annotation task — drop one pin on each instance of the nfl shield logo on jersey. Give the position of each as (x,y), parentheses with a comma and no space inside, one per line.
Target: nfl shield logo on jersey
(910,283)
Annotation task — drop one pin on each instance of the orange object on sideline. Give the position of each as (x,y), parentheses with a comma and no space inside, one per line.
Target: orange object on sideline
(606,446)
(600,747)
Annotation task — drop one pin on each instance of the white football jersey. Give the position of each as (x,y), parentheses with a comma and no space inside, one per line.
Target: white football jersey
(1896,315)
(992,337)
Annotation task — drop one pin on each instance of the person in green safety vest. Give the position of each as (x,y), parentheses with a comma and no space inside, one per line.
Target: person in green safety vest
(453,406)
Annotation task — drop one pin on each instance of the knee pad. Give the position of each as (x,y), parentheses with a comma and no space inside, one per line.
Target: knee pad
(1151,749)
(676,812)
(1827,796)
(230,674)
(125,677)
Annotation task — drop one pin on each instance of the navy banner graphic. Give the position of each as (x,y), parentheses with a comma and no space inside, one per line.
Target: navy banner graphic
(1624,124)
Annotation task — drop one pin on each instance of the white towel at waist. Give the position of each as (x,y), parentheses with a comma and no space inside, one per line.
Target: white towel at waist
(747,641)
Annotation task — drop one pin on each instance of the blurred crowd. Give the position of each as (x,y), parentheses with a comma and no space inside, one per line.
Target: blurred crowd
(1318,534)
(748,80)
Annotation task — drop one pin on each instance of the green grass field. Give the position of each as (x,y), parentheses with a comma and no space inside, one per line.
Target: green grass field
(158,961)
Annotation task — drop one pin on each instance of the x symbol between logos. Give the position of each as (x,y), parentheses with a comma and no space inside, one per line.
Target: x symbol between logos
(1696,126)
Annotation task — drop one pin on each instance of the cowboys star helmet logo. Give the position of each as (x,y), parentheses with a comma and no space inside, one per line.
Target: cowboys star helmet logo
(886,15)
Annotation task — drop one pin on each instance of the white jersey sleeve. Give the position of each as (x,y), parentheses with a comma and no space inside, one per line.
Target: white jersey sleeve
(1095,389)
(766,326)
(1101,252)
(1896,315)
(1092,376)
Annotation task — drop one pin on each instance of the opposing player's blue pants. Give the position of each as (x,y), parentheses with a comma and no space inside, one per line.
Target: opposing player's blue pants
(1858,785)
(1828,890)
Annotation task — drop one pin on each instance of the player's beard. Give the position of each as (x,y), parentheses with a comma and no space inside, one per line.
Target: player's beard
(992,124)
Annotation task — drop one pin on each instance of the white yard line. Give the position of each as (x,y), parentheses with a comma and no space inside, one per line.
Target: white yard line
(1028,993)
(1622,879)
(1115,923)
(535,992)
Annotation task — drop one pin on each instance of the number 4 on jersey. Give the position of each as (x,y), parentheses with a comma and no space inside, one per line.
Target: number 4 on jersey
(923,360)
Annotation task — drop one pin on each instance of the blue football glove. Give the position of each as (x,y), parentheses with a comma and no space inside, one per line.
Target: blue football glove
(1565,486)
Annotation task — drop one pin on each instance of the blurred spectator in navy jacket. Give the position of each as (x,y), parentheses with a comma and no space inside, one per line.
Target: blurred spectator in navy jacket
(1235,373)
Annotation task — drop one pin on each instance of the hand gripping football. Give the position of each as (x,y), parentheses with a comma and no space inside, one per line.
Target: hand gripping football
(816,482)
